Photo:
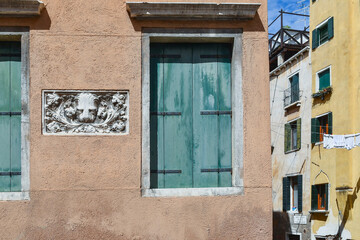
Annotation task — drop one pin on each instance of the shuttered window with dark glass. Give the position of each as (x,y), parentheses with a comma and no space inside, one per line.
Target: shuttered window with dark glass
(292,139)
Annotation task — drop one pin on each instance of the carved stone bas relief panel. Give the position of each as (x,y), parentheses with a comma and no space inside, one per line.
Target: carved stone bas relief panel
(85,112)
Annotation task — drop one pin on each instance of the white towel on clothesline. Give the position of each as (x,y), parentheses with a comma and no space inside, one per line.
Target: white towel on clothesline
(328,141)
(339,141)
(349,141)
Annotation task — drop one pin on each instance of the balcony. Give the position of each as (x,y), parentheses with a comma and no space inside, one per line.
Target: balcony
(292,96)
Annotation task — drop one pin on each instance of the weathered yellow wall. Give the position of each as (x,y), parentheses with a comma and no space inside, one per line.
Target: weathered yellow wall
(88,187)
(341,166)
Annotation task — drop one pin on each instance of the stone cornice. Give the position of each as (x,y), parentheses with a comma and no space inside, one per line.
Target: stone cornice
(192,11)
(20,8)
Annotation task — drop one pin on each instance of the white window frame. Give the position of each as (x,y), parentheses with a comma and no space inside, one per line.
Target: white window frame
(195,35)
(319,26)
(318,80)
(21,34)
(291,195)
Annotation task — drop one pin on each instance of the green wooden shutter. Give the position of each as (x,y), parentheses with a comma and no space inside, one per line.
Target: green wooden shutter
(324,79)
(298,131)
(327,192)
(330,25)
(287,137)
(10,119)
(286,194)
(295,88)
(212,132)
(315,38)
(330,122)
(314,197)
(300,192)
(315,132)
(189,148)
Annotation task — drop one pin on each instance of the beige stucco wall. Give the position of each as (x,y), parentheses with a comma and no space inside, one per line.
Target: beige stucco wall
(88,187)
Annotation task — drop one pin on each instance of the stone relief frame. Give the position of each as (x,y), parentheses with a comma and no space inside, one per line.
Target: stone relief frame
(195,35)
(85,112)
(21,34)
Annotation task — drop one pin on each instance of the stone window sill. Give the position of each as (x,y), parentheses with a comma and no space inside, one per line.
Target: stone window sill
(188,192)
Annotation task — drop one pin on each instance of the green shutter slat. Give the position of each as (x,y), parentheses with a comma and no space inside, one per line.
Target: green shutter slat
(5,120)
(327,192)
(178,129)
(156,121)
(15,143)
(5,77)
(330,25)
(286,194)
(287,138)
(314,197)
(315,39)
(206,127)
(300,192)
(5,151)
(330,122)
(298,132)
(15,75)
(224,93)
(315,136)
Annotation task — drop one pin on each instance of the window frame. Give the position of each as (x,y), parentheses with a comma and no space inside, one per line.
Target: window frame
(320,25)
(327,198)
(314,131)
(291,233)
(234,36)
(290,123)
(21,34)
(317,87)
(288,193)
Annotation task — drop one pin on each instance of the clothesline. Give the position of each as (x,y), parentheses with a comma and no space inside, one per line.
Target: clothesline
(348,141)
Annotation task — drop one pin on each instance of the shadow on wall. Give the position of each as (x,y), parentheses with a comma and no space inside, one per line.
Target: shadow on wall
(42,22)
(349,205)
(254,25)
(281,225)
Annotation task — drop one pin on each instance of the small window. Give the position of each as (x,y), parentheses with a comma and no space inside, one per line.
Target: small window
(319,197)
(292,193)
(293,135)
(323,33)
(293,237)
(323,79)
(292,94)
(320,126)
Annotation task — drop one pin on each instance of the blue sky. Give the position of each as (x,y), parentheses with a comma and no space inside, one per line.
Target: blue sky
(294,22)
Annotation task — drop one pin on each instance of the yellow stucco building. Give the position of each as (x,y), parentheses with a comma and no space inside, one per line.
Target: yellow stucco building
(335,173)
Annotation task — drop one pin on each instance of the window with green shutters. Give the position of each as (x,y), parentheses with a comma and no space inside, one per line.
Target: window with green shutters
(323,79)
(292,139)
(10,116)
(190,115)
(321,125)
(320,197)
(323,33)
(292,193)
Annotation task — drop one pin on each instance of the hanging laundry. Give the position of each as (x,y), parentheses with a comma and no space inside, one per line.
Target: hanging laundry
(339,141)
(328,141)
(349,141)
(357,139)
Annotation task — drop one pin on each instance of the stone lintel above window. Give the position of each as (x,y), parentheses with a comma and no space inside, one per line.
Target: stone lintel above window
(20,8)
(192,11)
